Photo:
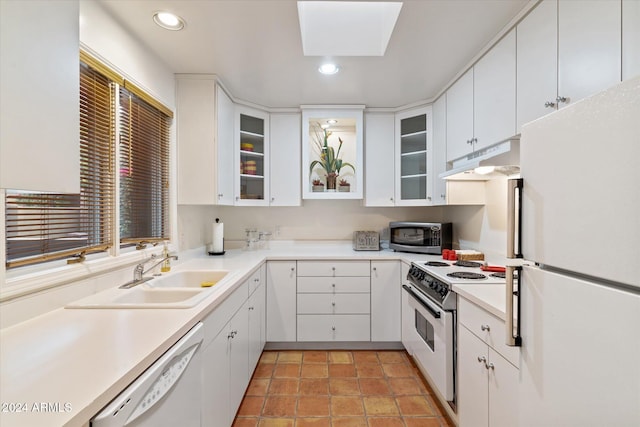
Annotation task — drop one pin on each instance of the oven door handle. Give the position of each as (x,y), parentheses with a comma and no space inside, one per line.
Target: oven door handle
(433,312)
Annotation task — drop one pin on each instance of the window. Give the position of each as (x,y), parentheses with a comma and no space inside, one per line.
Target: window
(46,226)
(144,170)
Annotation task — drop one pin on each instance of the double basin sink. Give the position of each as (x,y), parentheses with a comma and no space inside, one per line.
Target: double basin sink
(182,289)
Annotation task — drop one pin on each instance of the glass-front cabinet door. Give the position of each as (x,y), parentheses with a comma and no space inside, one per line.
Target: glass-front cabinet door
(252,158)
(414,157)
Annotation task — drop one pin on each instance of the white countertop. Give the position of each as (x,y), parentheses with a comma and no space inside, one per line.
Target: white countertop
(77,360)
(490,297)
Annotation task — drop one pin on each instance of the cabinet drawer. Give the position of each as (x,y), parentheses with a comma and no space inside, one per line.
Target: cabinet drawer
(333,285)
(334,304)
(334,268)
(255,280)
(488,328)
(334,327)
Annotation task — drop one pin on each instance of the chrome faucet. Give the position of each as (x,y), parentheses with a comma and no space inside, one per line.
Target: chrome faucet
(139,271)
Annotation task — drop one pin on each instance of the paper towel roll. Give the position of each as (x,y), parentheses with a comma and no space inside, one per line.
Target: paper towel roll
(217,245)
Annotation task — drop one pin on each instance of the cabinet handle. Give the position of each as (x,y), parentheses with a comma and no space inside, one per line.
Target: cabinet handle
(562,99)
(375,268)
(428,197)
(482,359)
(391,199)
(293,269)
(469,141)
(220,196)
(485,328)
(549,104)
(237,198)
(474,140)
(251,308)
(273,199)
(333,304)
(442,196)
(333,328)
(489,366)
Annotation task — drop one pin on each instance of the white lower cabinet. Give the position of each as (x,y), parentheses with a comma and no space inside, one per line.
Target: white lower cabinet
(333,301)
(281,301)
(257,322)
(234,339)
(487,381)
(386,280)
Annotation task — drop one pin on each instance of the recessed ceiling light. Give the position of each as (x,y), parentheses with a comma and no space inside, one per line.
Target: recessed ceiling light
(329,68)
(332,121)
(168,21)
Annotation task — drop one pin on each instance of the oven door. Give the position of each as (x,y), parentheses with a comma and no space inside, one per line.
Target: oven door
(432,339)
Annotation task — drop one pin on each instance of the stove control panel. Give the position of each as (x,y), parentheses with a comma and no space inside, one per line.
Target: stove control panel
(428,284)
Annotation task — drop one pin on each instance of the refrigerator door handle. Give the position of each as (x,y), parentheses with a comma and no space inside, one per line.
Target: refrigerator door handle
(513,306)
(514,218)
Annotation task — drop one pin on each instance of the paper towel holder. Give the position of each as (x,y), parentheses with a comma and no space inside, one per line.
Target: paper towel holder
(213,252)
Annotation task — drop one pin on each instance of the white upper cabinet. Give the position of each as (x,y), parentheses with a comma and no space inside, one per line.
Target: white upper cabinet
(460,117)
(40,116)
(537,77)
(494,94)
(589,48)
(204,130)
(630,38)
(285,159)
(439,150)
(379,177)
(414,152)
(251,158)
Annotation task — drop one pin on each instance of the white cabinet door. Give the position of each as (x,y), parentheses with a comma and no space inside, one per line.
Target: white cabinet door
(251,164)
(195,130)
(630,38)
(460,117)
(386,287)
(537,63)
(503,391)
(215,382)
(284,162)
(494,94)
(439,193)
(379,133)
(589,47)
(238,357)
(40,93)
(225,113)
(473,391)
(414,151)
(281,301)
(256,309)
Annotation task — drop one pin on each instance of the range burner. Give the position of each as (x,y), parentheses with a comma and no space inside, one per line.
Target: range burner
(436,264)
(499,275)
(467,275)
(468,264)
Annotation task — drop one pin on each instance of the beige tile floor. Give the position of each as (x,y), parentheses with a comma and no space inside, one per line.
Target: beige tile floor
(338,389)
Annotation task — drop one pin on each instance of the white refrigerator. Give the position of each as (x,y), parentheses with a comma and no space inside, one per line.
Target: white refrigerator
(574,303)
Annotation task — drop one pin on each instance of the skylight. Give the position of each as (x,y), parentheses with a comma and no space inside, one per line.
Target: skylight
(349,28)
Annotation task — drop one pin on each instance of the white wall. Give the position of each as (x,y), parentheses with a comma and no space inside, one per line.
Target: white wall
(315,220)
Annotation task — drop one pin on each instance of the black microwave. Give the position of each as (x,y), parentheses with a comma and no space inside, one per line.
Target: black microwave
(420,237)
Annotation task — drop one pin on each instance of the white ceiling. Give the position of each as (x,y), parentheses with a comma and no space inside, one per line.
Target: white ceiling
(255,47)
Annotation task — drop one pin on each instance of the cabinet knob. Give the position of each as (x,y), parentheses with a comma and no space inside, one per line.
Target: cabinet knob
(485,328)
(333,328)
(237,198)
(333,285)
(374,268)
(428,197)
(293,269)
(474,140)
(489,366)
(442,196)
(562,99)
(220,196)
(273,199)
(333,304)
(482,359)
(549,104)
(391,199)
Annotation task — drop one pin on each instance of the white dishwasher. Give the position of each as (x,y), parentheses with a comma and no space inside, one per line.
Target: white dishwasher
(166,394)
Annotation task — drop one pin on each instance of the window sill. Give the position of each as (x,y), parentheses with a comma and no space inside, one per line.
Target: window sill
(33,282)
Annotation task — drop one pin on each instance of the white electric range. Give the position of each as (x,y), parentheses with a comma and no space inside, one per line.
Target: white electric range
(430,322)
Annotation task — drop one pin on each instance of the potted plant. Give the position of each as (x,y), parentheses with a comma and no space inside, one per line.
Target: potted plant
(330,160)
(317,185)
(344,186)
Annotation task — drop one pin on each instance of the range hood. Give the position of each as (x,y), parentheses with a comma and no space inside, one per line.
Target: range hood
(496,160)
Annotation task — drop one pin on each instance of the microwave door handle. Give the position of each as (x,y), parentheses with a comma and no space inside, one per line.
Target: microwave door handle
(513,307)
(514,219)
